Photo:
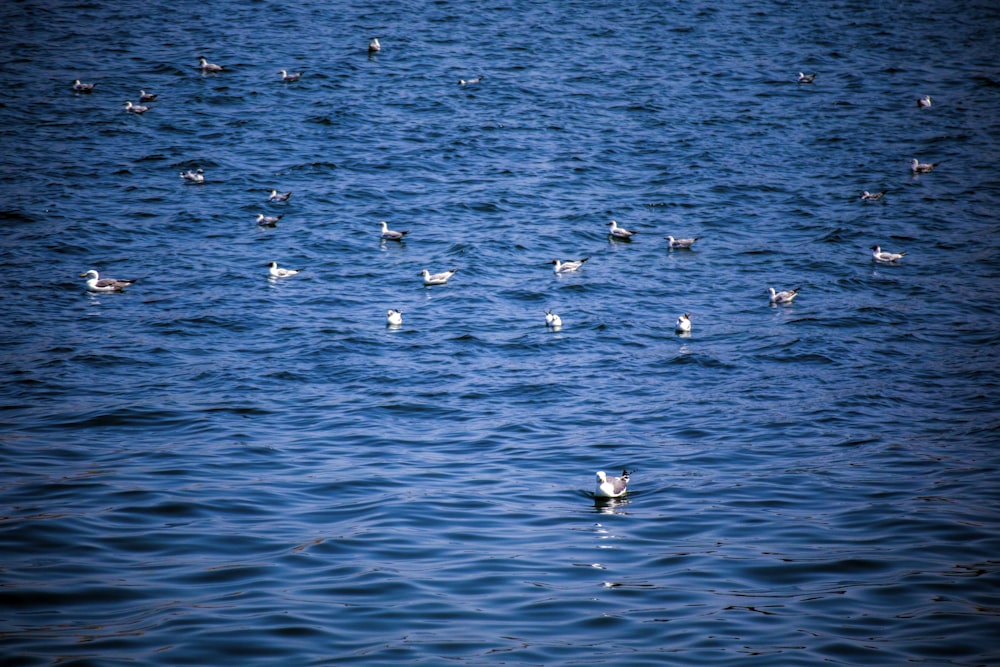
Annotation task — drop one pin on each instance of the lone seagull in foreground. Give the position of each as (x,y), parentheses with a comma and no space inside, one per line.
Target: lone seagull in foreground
(552,320)
(884,256)
(620,232)
(806,78)
(683,324)
(268,220)
(390,235)
(374,46)
(136,108)
(923,102)
(609,486)
(277,272)
(872,196)
(146,97)
(469,82)
(785,296)
(196,176)
(437,278)
(394,318)
(97,284)
(289,78)
(207,66)
(83,87)
(568,265)
(279,196)
(918,167)
(681,243)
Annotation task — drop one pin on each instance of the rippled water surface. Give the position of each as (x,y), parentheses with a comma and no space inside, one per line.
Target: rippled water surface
(214,467)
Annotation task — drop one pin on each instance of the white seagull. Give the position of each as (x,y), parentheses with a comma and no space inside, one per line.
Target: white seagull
(620,232)
(394,318)
(80,87)
(610,486)
(884,256)
(568,265)
(681,243)
(277,272)
(923,102)
(268,220)
(469,82)
(374,46)
(872,196)
(390,235)
(785,296)
(146,97)
(207,66)
(806,78)
(285,76)
(279,196)
(437,278)
(97,284)
(552,320)
(196,176)
(683,324)
(136,108)
(918,167)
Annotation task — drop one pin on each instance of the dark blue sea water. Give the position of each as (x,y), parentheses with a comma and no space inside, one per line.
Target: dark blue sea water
(214,467)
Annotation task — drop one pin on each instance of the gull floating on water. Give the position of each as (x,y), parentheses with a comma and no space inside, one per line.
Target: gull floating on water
(207,66)
(268,220)
(884,256)
(469,82)
(285,76)
(390,235)
(620,232)
(683,324)
(610,486)
(918,167)
(568,265)
(784,296)
(196,176)
(437,278)
(394,318)
(374,46)
(97,284)
(806,78)
(279,196)
(146,97)
(872,196)
(552,320)
(924,101)
(277,272)
(136,108)
(681,243)
(80,87)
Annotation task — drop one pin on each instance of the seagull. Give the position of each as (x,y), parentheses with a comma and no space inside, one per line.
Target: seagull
(806,78)
(279,196)
(620,232)
(209,67)
(437,278)
(681,243)
(277,272)
(390,235)
(568,265)
(785,296)
(146,97)
(469,82)
(394,318)
(885,257)
(918,167)
(83,87)
(923,102)
(196,176)
(268,220)
(374,46)
(285,76)
(552,320)
(609,486)
(683,324)
(872,196)
(97,284)
(136,108)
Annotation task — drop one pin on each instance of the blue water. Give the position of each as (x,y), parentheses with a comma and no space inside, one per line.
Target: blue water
(214,467)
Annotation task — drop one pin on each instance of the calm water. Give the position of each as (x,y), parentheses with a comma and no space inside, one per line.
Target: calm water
(217,468)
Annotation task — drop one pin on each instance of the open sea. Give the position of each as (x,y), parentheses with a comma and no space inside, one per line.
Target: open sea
(217,467)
